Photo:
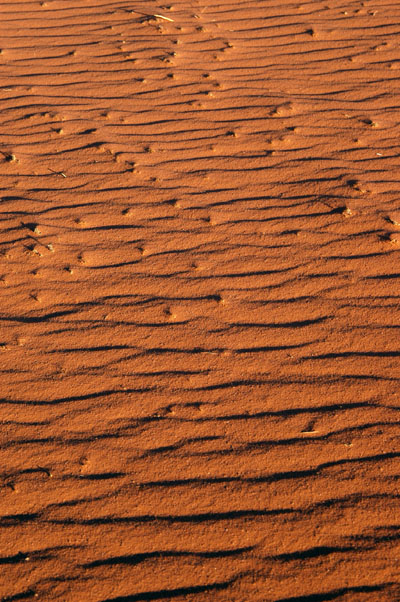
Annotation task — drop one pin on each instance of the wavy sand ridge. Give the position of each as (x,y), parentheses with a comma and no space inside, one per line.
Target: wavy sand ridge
(199,274)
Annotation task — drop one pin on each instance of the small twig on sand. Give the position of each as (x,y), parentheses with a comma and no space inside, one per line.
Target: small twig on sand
(148,16)
(165,18)
(59,173)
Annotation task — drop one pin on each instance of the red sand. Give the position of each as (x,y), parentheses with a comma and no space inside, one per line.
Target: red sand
(200,235)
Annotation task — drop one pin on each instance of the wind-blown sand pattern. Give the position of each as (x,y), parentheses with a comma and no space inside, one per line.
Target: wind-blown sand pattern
(200,234)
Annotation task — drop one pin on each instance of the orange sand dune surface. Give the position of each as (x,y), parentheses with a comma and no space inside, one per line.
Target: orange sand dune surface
(199,300)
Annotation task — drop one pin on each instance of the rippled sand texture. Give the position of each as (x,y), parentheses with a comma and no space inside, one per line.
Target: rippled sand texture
(200,235)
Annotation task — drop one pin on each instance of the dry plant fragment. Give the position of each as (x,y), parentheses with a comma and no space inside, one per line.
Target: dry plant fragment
(162,17)
(393,239)
(148,17)
(395,220)
(347,212)
(58,173)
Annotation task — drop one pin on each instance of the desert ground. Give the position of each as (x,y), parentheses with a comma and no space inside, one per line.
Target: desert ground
(199,300)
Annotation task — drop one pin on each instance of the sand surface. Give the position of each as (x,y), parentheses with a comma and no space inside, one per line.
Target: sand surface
(199,288)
